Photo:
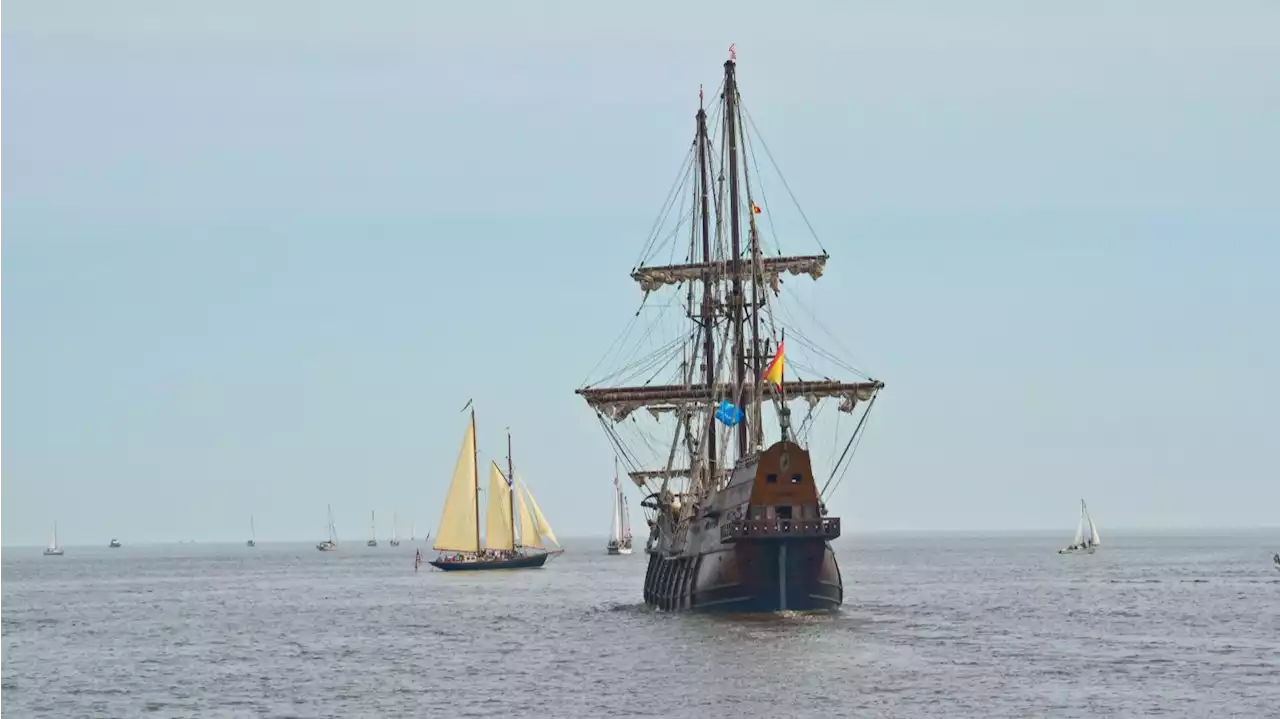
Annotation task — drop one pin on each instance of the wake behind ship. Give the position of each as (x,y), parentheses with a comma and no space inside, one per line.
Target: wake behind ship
(736,523)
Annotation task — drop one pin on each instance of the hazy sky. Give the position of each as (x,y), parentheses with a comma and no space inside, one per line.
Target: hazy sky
(256,260)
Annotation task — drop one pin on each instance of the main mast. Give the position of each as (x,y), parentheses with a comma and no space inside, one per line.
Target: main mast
(511,490)
(736,300)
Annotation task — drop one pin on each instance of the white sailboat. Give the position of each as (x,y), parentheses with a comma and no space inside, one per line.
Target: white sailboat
(330,544)
(514,524)
(620,524)
(373,531)
(53,550)
(395,539)
(1086,540)
(413,532)
(253,534)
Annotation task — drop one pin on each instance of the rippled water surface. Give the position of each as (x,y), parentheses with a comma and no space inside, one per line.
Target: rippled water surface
(995,626)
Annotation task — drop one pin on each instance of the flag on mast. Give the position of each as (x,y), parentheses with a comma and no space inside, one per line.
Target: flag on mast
(774,372)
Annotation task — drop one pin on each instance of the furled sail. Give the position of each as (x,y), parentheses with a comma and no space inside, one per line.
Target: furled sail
(543,527)
(498,533)
(528,529)
(457,530)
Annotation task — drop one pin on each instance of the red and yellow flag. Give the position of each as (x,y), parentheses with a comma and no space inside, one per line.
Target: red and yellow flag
(755,208)
(774,372)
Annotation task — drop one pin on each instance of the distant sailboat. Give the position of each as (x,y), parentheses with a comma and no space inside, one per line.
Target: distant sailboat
(1275,561)
(330,544)
(458,540)
(620,524)
(395,539)
(1086,540)
(373,531)
(253,534)
(114,544)
(53,550)
(413,532)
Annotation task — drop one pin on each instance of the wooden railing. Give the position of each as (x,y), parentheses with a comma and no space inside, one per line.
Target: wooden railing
(766,529)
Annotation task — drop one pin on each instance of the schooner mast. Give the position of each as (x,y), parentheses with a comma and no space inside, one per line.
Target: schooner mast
(731,328)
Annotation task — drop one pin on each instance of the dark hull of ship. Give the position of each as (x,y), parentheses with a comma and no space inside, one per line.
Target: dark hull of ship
(784,575)
(524,561)
(761,544)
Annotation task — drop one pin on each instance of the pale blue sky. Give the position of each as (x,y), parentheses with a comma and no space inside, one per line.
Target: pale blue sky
(256,259)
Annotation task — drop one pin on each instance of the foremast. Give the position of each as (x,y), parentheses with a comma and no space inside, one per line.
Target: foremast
(724,274)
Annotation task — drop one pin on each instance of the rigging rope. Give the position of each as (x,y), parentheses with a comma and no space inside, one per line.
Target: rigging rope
(783,178)
(854,440)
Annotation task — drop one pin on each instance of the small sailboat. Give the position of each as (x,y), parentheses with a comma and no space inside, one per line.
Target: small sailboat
(330,544)
(253,534)
(413,532)
(53,550)
(1275,561)
(373,531)
(510,507)
(1086,540)
(114,544)
(620,529)
(395,539)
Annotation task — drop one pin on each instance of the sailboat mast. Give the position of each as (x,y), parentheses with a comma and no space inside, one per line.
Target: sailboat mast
(511,490)
(475,480)
(708,309)
(736,301)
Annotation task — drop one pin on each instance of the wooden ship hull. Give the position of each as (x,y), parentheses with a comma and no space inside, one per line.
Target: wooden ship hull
(524,561)
(760,545)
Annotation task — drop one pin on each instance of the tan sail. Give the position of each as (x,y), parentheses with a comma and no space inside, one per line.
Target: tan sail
(543,527)
(498,533)
(458,530)
(528,529)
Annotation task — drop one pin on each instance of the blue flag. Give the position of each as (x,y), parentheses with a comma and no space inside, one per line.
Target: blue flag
(728,413)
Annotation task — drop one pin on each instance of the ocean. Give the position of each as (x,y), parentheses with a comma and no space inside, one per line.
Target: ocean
(933,625)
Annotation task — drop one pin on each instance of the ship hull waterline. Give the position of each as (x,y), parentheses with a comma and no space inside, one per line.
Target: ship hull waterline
(787,575)
(524,561)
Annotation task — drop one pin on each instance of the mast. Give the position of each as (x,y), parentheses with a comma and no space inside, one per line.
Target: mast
(708,309)
(511,489)
(736,303)
(475,480)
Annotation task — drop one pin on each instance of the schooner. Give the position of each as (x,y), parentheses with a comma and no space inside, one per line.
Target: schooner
(510,507)
(735,502)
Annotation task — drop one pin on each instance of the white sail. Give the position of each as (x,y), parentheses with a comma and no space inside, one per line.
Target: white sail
(333,531)
(458,528)
(373,527)
(253,532)
(529,536)
(626,519)
(53,540)
(394,537)
(1080,527)
(615,523)
(498,532)
(1094,539)
(544,528)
